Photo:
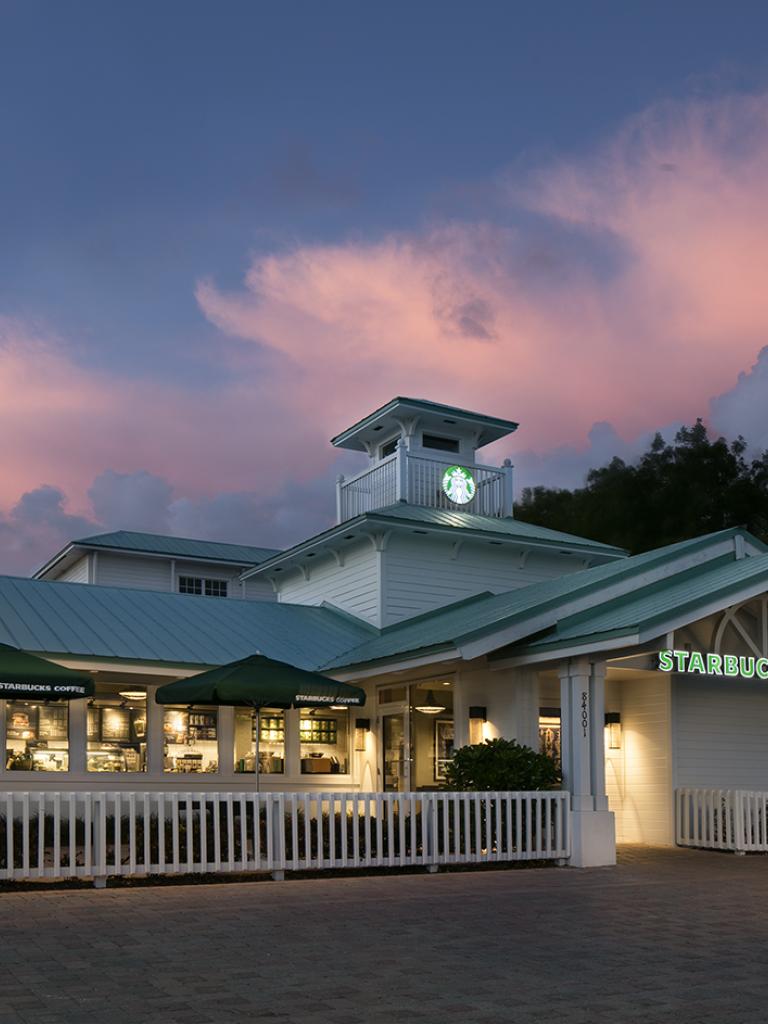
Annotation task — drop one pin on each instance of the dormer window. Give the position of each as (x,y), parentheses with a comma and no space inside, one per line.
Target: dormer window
(204,587)
(440,444)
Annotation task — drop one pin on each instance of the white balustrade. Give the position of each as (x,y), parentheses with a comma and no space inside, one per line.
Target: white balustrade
(96,835)
(722,819)
(419,481)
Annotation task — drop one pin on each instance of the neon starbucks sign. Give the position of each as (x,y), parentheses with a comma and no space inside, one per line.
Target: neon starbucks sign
(731,666)
(459,485)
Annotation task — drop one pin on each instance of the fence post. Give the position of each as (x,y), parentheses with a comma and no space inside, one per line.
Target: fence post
(99,841)
(277,852)
(740,839)
(508,493)
(430,832)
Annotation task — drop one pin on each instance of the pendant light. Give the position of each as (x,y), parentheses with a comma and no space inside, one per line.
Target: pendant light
(429,707)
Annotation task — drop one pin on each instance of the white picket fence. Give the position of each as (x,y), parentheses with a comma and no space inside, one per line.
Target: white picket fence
(722,819)
(96,835)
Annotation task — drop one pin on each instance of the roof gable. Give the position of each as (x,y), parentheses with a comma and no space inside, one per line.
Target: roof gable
(488,622)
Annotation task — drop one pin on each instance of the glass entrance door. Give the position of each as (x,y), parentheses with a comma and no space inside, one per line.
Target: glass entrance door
(396,751)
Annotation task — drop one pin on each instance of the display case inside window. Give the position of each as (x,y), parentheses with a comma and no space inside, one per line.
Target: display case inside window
(271,745)
(190,739)
(37,736)
(324,740)
(549,732)
(117,729)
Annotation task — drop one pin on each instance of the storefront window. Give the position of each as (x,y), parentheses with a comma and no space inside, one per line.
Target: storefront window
(37,736)
(271,741)
(431,732)
(117,729)
(324,737)
(190,738)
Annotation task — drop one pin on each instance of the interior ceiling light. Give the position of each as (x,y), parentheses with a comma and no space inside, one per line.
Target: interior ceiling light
(133,694)
(429,707)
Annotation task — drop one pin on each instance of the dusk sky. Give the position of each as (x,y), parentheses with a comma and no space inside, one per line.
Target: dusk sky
(228,230)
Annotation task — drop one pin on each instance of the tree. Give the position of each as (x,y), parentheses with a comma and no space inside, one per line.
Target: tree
(673,492)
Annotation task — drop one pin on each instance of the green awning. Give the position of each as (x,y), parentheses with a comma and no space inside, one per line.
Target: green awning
(260,682)
(26,675)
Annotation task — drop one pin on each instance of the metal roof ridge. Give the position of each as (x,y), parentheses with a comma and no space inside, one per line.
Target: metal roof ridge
(455,410)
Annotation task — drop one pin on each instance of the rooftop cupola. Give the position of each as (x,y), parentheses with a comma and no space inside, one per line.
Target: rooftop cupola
(425,453)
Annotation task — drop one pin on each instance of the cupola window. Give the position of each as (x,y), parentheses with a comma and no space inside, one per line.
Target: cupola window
(440,444)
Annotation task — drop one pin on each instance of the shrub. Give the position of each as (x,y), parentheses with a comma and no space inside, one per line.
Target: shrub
(499,765)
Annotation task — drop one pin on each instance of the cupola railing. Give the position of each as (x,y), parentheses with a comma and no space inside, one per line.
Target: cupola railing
(419,480)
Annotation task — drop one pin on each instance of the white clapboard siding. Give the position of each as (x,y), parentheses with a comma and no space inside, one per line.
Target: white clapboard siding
(258,590)
(133,571)
(424,573)
(720,729)
(97,835)
(353,586)
(76,573)
(639,775)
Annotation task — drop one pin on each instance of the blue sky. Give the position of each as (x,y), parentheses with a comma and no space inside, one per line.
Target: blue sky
(150,147)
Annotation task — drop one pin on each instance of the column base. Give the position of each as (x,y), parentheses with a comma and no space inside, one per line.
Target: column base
(593,839)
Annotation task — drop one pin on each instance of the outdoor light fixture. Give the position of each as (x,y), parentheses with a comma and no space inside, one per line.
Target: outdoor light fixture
(429,707)
(362,728)
(477,719)
(338,707)
(613,729)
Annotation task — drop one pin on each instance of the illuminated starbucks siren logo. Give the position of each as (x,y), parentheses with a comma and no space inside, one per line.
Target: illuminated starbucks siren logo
(458,485)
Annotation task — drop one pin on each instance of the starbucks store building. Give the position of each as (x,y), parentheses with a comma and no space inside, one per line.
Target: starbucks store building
(647,676)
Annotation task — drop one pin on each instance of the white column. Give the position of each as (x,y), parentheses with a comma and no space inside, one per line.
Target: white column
(597,700)
(526,690)
(78,735)
(401,485)
(575,726)
(155,737)
(582,691)
(225,731)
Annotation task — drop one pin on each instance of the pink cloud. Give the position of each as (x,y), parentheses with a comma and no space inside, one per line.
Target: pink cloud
(631,290)
(679,201)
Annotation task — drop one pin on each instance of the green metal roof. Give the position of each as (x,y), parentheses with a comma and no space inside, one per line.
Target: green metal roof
(653,605)
(448,520)
(492,427)
(142,625)
(182,547)
(505,526)
(487,613)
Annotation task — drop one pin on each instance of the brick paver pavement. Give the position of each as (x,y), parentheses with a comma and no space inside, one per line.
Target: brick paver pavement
(667,936)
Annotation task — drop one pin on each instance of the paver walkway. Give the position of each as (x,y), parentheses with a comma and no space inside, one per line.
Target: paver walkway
(667,936)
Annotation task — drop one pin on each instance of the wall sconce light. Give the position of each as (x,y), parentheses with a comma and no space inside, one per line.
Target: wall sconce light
(613,729)
(362,728)
(477,719)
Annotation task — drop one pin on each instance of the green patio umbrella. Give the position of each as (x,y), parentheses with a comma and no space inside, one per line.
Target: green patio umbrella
(26,675)
(260,682)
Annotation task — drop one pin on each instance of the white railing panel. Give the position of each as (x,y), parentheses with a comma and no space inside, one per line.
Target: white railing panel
(722,819)
(62,835)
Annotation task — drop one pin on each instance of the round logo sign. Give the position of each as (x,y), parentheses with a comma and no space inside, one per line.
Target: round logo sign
(458,485)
